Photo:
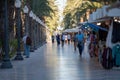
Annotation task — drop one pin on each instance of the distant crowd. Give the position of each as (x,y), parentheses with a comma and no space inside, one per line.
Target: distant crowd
(79,40)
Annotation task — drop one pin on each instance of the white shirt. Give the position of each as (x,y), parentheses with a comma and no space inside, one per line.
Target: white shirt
(24,39)
(68,36)
(63,38)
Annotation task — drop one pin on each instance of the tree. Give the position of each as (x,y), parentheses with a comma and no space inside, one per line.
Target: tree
(80,7)
(46,10)
(41,8)
(52,21)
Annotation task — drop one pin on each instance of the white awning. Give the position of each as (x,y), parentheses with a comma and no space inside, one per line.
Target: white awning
(115,12)
(71,30)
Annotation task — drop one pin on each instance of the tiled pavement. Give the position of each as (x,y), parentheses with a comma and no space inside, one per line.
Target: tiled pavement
(52,62)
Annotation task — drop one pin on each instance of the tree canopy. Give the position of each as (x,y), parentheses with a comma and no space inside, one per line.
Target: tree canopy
(72,14)
(46,10)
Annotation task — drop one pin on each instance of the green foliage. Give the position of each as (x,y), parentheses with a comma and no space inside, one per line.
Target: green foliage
(78,9)
(13,42)
(67,20)
(41,7)
(46,10)
(52,21)
(12,47)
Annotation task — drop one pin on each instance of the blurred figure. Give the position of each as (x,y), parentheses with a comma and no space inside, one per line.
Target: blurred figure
(58,39)
(27,43)
(66,38)
(75,41)
(92,44)
(80,40)
(85,53)
(62,39)
(52,38)
(69,38)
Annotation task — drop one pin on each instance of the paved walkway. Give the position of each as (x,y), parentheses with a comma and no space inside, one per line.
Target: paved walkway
(52,62)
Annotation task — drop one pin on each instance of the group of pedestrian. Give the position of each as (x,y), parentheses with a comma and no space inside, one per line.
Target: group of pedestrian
(63,38)
(85,42)
(81,41)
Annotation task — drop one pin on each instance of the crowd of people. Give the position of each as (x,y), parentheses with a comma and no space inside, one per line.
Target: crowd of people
(89,45)
(63,38)
(85,42)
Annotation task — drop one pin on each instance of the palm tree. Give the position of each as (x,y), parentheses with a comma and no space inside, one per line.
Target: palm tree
(52,21)
(41,8)
(79,9)
(46,10)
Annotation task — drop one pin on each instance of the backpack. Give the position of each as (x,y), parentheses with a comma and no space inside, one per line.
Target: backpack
(28,41)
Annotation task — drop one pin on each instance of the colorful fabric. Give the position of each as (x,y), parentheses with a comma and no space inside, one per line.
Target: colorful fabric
(116,54)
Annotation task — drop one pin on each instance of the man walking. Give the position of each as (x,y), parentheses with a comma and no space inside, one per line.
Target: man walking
(80,39)
(27,42)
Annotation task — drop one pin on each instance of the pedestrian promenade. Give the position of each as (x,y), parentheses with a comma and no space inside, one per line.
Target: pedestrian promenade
(52,62)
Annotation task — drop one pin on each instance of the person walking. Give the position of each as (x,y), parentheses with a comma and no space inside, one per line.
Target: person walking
(52,37)
(62,39)
(27,42)
(80,39)
(75,41)
(58,39)
(69,38)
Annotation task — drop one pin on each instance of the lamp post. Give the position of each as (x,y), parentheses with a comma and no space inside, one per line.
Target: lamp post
(6,60)
(25,9)
(18,5)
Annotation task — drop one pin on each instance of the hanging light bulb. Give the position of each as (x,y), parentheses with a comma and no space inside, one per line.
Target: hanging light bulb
(98,23)
(115,20)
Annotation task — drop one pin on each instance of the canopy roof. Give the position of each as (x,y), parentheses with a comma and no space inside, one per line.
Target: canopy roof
(93,26)
(71,30)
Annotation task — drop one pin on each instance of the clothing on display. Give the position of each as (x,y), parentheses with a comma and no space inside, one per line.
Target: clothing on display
(116,32)
(116,54)
(85,53)
(109,36)
(107,60)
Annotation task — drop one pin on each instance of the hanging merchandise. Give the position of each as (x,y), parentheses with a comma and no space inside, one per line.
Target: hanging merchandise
(109,36)
(116,32)
(107,60)
(116,54)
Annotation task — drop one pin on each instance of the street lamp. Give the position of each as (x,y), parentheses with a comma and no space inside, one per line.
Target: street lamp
(6,60)
(31,14)
(25,9)
(18,5)
(34,16)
